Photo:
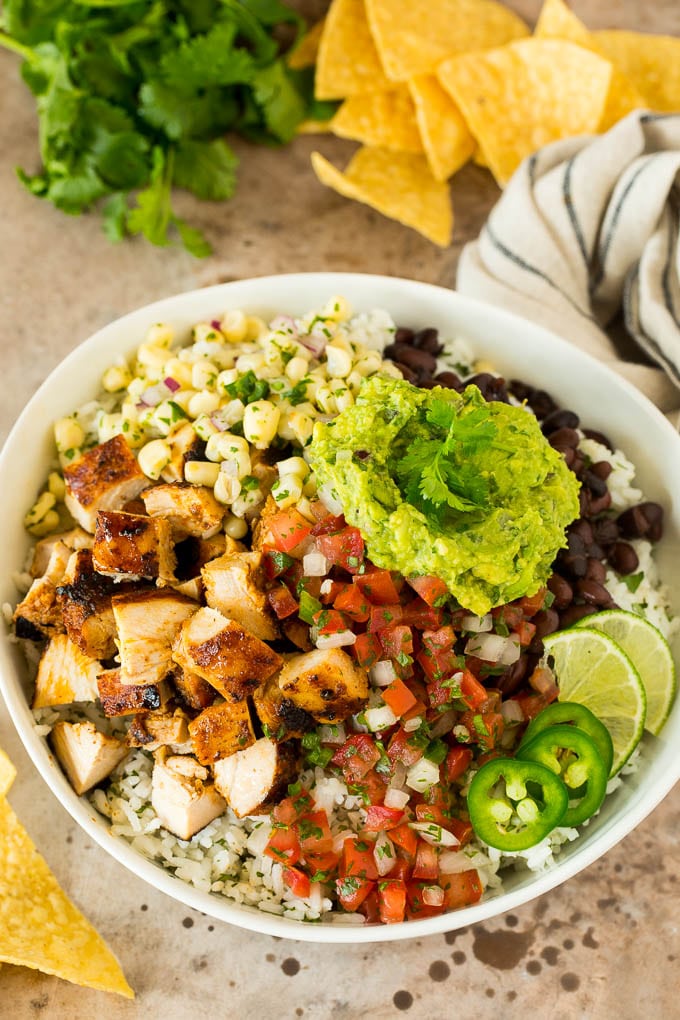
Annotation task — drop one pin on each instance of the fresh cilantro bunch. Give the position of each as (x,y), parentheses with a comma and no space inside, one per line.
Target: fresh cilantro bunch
(135,96)
(439,471)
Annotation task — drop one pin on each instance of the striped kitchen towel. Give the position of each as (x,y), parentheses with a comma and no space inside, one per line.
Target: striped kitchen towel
(586,227)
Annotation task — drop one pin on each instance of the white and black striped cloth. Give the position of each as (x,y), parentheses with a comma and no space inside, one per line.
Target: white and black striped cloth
(586,227)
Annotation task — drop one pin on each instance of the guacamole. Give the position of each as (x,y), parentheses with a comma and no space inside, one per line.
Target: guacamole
(445,484)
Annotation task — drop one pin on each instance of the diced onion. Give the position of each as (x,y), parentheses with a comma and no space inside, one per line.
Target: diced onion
(396,798)
(383,854)
(379,718)
(339,640)
(315,344)
(283,324)
(330,501)
(435,835)
(326,587)
(511,711)
(382,674)
(172,384)
(332,734)
(433,895)
(477,624)
(340,838)
(454,862)
(543,681)
(411,725)
(314,564)
(494,648)
(398,779)
(153,395)
(444,724)
(422,775)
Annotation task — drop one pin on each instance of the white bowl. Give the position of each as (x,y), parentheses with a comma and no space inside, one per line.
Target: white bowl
(518,349)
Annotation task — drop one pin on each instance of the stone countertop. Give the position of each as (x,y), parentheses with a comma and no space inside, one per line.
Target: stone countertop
(603,945)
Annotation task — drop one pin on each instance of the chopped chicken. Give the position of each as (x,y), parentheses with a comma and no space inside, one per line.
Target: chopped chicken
(192,589)
(253,780)
(147,623)
(130,547)
(233,586)
(326,683)
(85,603)
(221,730)
(189,509)
(262,536)
(126,699)
(192,555)
(192,689)
(152,730)
(182,795)
(185,445)
(65,675)
(86,755)
(76,538)
(281,716)
(297,633)
(234,661)
(38,615)
(104,478)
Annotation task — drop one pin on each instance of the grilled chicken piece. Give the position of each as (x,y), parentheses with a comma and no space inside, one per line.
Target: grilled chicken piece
(326,683)
(189,509)
(185,445)
(192,589)
(126,699)
(147,623)
(38,615)
(221,730)
(297,633)
(85,604)
(182,795)
(86,755)
(234,661)
(152,730)
(193,553)
(65,675)
(76,538)
(281,716)
(262,536)
(129,547)
(252,781)
(192,689)
(233,586)
(104,478)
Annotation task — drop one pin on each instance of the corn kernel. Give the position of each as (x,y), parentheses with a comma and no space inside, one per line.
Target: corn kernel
(68,434)
(201,472)
(260,421)
(325,399)
(183,398)
(49,523)
(310,488)
(369,364)
(204,375)
(337,309)
(235,527)
(160,335)
(484,365)
(293,466)
(390,369)
(255,327)
(116,378)
(301,425)
(204,427)
(204,331)
(287,490)
(43,504)
(227,488)
(223,445)
(154,457)
(110,425)
(152,357)
(305,508)
(232,411)
(254,362)
(203,403)
(344,398)
(354,381)
(247,501)
(166,418)
(234,326)
(338,361)
(296,369)
(57,486)
(180,371)
(226,378)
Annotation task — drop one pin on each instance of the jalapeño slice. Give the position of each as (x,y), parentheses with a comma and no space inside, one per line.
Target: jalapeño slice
(573,756)
(514,804)
(563,712)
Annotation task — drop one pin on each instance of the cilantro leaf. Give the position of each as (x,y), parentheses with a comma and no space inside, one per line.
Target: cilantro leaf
(282,105)
(208,169)
(115,217)
(210,59)
(153,213)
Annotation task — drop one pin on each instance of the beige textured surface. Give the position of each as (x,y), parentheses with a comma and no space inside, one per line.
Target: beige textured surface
(604,946)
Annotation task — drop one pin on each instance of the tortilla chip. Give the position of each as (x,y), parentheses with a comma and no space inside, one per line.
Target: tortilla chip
(398,184)
(384,119)
(307,50)
(556,21)
(650,62)
(39,926)
(525,95)
(7,773)
(348,63)
(446,139)
(413,36)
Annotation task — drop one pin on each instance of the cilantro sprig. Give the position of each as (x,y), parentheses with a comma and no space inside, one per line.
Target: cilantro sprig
(134,98)
(439,471)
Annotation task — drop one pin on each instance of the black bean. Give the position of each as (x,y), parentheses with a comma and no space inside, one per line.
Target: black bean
(598,504)
(583,502)
(428,340)
(402,335)
(623,558)
(450,380)
(580,529)
(573,564)
(520,389)
(599,437)
(595,570)
(606,531)
(578,463)
(592,592)
(602,469)
(492,387)
(546,622)
(562,419)
(508,682)
(653,513)
(562,590)
(564,437)
(408,373)
(568,452)
(595,551)
(541,403)
(574,613)
(597,486)
(420,361)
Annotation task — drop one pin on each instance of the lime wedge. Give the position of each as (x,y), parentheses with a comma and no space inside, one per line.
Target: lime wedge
(648,650)
(592,670)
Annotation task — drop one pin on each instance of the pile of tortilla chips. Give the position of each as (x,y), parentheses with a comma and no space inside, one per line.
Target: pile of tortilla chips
(428,84)
(39,926)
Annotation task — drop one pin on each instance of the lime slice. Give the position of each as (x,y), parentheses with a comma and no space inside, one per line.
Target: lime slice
(592,670)
(648,650)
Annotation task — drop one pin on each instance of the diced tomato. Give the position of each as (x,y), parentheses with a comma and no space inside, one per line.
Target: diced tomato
(439,640)
(322,866)
(418,614)
(284,846)
(397,642)
(399,697)
(457,763)
(378,587)
(485,728)
(329,524)
(532,704)
(297,881)
(443,691)
(352,602)
(275,563)
(427,862)
(406,839)
(329,597)
(416,908)
(461,889)
(330,621)
(343,549)
(392,900)
(367,650)
(289,810)
(431,589)
(352,891)
(356,756)
(438,665)
(370,908)
(314,833)
(461,829)
(399,749)
(384,616)
(525,631)
(402,869)
(472,693)
(419,709)
(357,859)
(511,615)
(282,602)
(381,819)
(289,528)
(372,787)
(532,604)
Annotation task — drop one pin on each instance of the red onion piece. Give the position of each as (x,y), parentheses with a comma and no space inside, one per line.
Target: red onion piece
(172,384)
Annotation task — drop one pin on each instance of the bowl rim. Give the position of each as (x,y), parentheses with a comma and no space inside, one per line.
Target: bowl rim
(221,908)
